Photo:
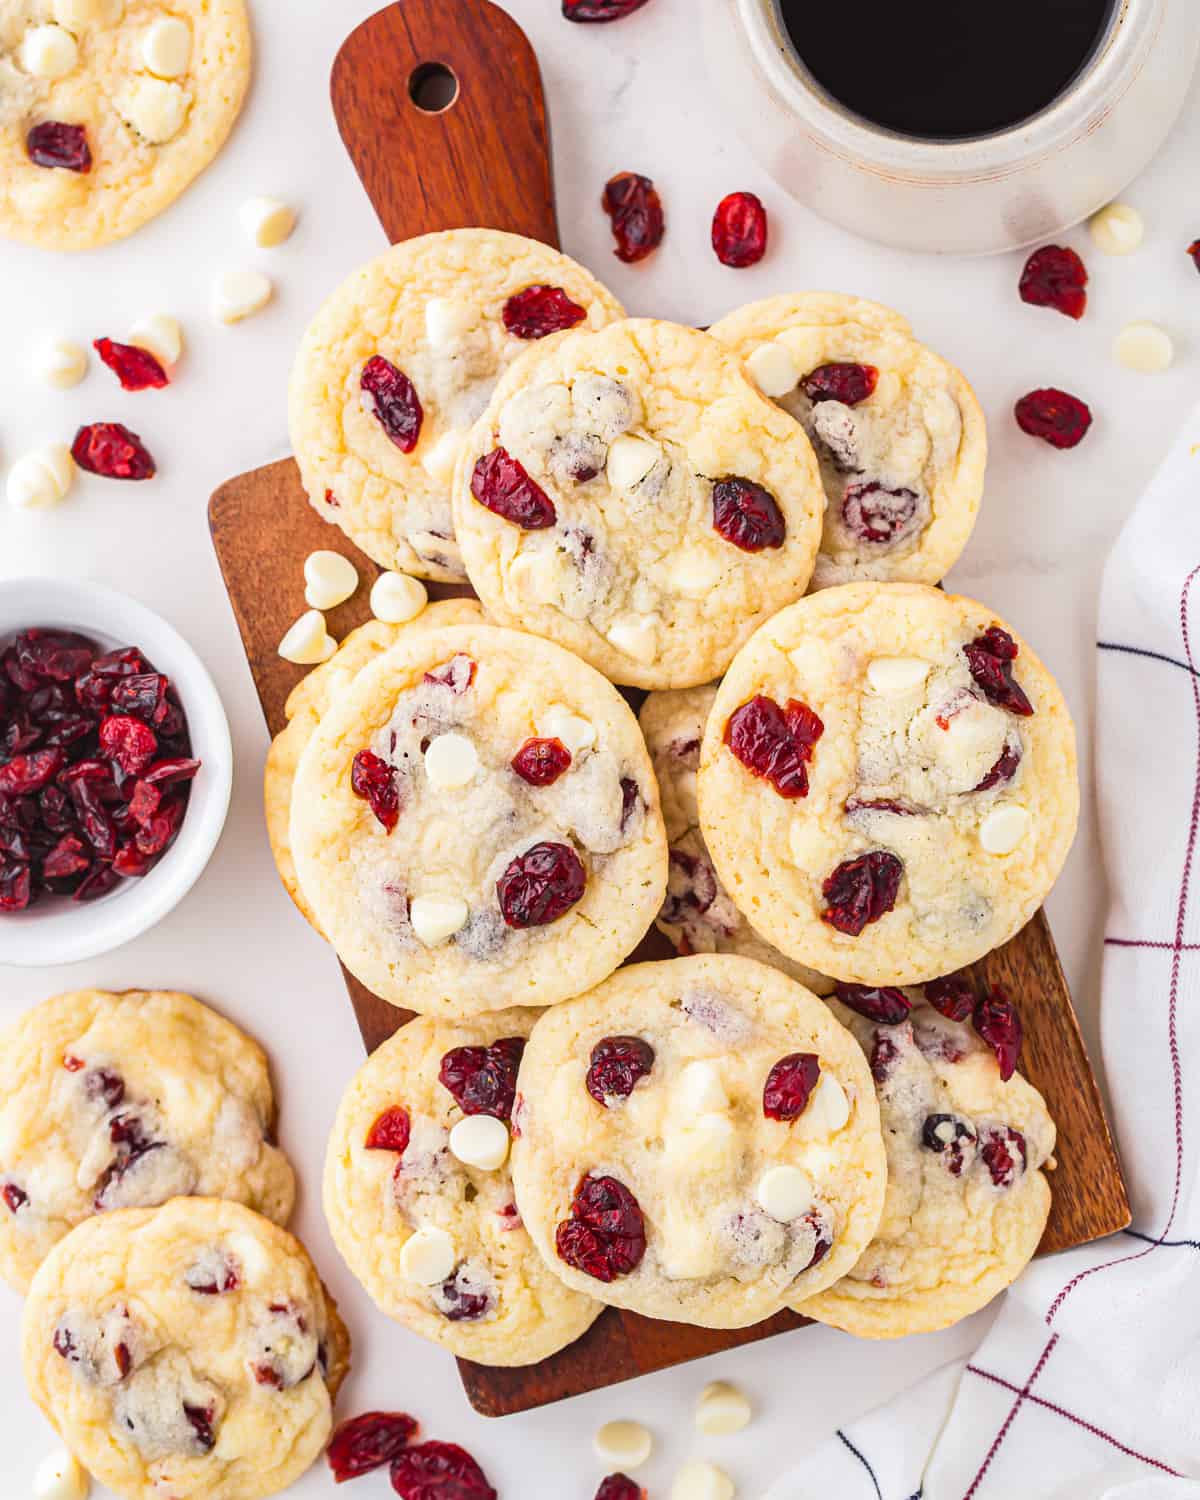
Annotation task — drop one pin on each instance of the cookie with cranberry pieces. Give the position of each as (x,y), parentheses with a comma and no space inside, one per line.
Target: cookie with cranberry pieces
(888,782)
(697,1140)
(629,494)
(114,1101)
(899,434)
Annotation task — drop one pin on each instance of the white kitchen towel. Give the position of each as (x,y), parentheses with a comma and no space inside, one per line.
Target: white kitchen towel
(1087,1387)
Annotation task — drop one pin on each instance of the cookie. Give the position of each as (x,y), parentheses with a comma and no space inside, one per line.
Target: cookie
(888,784)
(401,360)
(309,699)
(123,1101)
(185,1350)
(697,915)
(967,1199)
(629,494)
(419,1196)
(109,109)
(697,1140)
(900,436)
(475,823)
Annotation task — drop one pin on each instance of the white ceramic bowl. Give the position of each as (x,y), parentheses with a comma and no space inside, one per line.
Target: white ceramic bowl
(61,931)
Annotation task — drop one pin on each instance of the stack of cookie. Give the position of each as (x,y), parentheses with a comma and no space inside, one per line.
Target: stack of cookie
(878,791)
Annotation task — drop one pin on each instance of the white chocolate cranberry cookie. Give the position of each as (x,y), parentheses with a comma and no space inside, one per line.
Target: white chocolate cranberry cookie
(123,1101)
(475,823)
(629,494)
(967,1200)
(399,363)
(187,1351)
(697,1140)
(109,109)
(697,915)
(887,784)
(419,1196)
(899,434)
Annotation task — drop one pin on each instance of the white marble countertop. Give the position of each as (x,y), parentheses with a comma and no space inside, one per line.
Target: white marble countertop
(631,96)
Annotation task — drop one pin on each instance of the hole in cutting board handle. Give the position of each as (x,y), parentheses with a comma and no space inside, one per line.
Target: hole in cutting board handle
(433,87)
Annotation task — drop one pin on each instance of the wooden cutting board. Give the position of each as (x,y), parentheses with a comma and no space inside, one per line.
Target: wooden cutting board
(484,160)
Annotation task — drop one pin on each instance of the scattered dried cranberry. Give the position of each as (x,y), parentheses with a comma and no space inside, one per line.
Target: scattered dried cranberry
(997,1022)
(368,1442)
(1054,276)
(375,781)
(886,1007)
(136,369)
(600,10)
(948,1136)
(111,450)
(483,1080)
(841,381)
(739,230)
(1194,251)
(619,1487)
(540,885)
(205,1285)
(789,1085)
(875,513)
(953,997)
(1055,416)
(540,310)
(201,1419)
(605,1236)
(1000,1150)
(747,515)
(53,144)
(390,395)
(390,1131)
(861,890)
(541,762)
(457,674)
(617,1064)
(439,1471)
(883,1058)
(631,797)
(501,485)
(990,657)
(1004,769)
(775,743)
(458,1303)
(14,1197)
(632,203)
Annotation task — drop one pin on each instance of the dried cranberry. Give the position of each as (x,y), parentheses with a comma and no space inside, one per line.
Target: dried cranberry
(990,657)
(1194,251)
(64,1344)
(53,144)
(540,885)
(691,886)
(739,230)
(541,762)
(67,858)
(392,397)
(169,772)
(844,382)
(458,1303)
(57,655)
(123,1360)
(142,694)
(29,773)
(136,369)
(886,1007)
(997,1022)
(540,310)
(127,741)
(1000,1150)
(439,1471)
(375,781)
(501,485)
(201,1419)
(775,743)
(158,833)
(268,1375)
(14,1197)
(600,10)
(854,805)
(102,879)
(875,513)
(1054,276)
(617,1064)
(483,1080)
(1055,416)
(632,203)
(1004,769)
(368,1442)
(390,1131)
(948,1136)
(630,798)
(789,1085)
(226,1280)
(605,1237)
(883,1058)
(747,515)
(953,997)
(457,674)
(861,890)
(111,450)
(619,1487)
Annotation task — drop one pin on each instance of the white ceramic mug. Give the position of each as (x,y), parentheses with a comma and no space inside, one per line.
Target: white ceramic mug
(993,192)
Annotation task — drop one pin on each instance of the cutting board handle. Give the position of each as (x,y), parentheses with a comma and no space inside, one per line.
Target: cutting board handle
(481,159)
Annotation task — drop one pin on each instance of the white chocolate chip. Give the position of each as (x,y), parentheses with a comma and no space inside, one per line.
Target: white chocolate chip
(625,1445)
(396,598)
(784,1192)
(722,1409)
(49,51)
(480,1141)
(439,458)
(694,573)
(827,1110)
(534,575)
(559,723)
(709,1140)
(167,47)
(451,761)
(329,579)
(1004,828)
(1118,229)
(636,636)
(447,319)
(61,363)
(41,478)
(630,459)
(428,1256)
(700,1480)
(307,641)
(238,294)
(156,109)
(773,369)
(161,335)
(890,675)
(76,14)
(435,918)
(60,1476)
(267,221)
(699,1088)
(1144,347)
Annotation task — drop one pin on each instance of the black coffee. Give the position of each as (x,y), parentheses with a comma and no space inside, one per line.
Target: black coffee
(945,68)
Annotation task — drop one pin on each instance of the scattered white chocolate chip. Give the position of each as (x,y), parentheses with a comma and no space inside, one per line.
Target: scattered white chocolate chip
(439,458)
(49,51)
(480,1141)
(722,1409)
(1118,229)
(773,369)
(167,47)
(559,723)
(435,918)
(700,1480)
(699,1088)
(708,1140)
(76,14)
(61,363)
(635,636)
(396,598)
(827,1110)
(155,109)
(630,459)
(625,1445)
(307,642)
(896,674)
(447,320)
(161,335)
(784,1192)
(428,1256)
(41,478)
(329,579)
(238,294)
(451,761)
(694,573)
(267,221)
(1144,347)
(1004,828)
(534,575)
(60,1476)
